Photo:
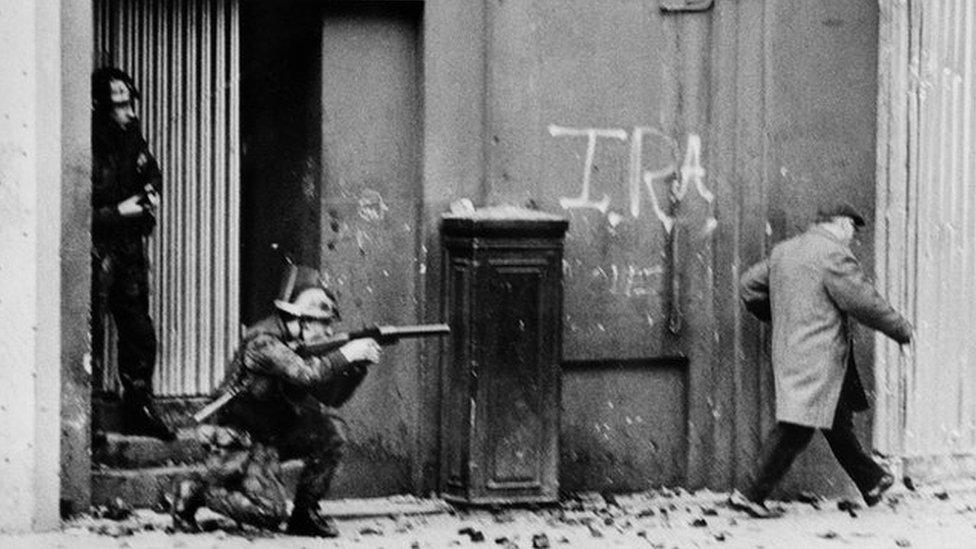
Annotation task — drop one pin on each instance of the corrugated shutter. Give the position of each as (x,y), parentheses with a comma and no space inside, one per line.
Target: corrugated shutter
(184,58)
(926,238)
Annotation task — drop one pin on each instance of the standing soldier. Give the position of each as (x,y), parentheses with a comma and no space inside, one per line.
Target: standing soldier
(810,288)
(126,182)
(282,408)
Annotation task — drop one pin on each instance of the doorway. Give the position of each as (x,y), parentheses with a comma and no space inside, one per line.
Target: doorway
(331,131)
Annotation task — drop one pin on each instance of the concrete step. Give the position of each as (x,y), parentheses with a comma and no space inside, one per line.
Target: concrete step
(148,488)
(145,487)
(133,452)
(175,411)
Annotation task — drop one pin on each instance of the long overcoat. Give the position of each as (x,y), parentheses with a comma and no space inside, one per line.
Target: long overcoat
(809,288)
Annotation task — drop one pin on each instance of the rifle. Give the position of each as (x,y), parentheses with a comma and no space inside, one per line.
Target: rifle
(384,335)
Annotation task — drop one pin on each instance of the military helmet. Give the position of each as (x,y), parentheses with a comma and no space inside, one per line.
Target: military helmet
(104,94)
(297,301)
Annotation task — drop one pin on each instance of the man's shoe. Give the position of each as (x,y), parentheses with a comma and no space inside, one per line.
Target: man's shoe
(873,496)
(754,509)
(304,522)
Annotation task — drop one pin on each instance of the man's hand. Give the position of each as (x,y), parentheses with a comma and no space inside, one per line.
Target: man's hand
(130,207)
(361,350)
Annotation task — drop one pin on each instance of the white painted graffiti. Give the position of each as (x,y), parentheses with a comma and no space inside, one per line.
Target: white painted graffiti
(631,280)
(680,172)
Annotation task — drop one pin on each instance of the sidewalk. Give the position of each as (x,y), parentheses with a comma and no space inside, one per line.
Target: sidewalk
(928,518)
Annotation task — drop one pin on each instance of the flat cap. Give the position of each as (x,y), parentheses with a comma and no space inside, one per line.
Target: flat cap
(831,210)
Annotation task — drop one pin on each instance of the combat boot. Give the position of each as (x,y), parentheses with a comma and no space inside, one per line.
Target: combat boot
(140,418)
(187,499)
(311,523)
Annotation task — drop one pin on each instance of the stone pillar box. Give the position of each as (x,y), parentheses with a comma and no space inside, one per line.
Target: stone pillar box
(501,375)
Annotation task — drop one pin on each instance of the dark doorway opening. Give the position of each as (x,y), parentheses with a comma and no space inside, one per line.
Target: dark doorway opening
(281,75)
(331,130)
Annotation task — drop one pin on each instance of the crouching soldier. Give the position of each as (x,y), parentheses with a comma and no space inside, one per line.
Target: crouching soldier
(282,408)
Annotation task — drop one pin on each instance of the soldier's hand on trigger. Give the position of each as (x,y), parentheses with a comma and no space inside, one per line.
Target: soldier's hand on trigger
(152,198)
(357,350)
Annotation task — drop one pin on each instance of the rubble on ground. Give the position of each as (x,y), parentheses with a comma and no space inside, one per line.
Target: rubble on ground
(655,518)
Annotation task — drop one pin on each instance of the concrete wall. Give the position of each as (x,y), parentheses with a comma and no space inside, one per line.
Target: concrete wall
(332,172)
(76,44)
(822,125)
(681,147)
(30,208)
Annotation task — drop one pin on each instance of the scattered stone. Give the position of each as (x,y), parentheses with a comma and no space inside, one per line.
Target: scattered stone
(506,543)
(811,499)
(591,501)
(699,523)
(572,521)
(721,536)
(540,541)
(563,539)
(908,482)
(402,526)
(829,534)
(608,521)
(117,509)
(415,545)
(594,531)
(645,513)
(642,534)
(114,530)
(709,511)
(942,495)
(370,531)
(902,542)
(475,535)
(503,517)
(571,505)
(848,506)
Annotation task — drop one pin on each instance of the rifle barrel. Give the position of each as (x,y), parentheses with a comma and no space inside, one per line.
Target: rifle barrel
(416,330)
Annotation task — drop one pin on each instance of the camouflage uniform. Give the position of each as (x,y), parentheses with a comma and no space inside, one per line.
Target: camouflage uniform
(285,412)
(122,166)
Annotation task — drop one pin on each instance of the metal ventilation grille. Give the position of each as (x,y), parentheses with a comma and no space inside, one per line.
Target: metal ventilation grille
(183,56)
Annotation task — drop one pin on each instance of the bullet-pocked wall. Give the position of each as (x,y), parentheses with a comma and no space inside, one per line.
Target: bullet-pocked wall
(332,143)
(681,146)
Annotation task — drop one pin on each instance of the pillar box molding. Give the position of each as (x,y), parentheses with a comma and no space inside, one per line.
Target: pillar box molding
(501,377)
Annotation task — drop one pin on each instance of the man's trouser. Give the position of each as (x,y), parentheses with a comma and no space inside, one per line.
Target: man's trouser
(120,285)
(787,440)
(243,479)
